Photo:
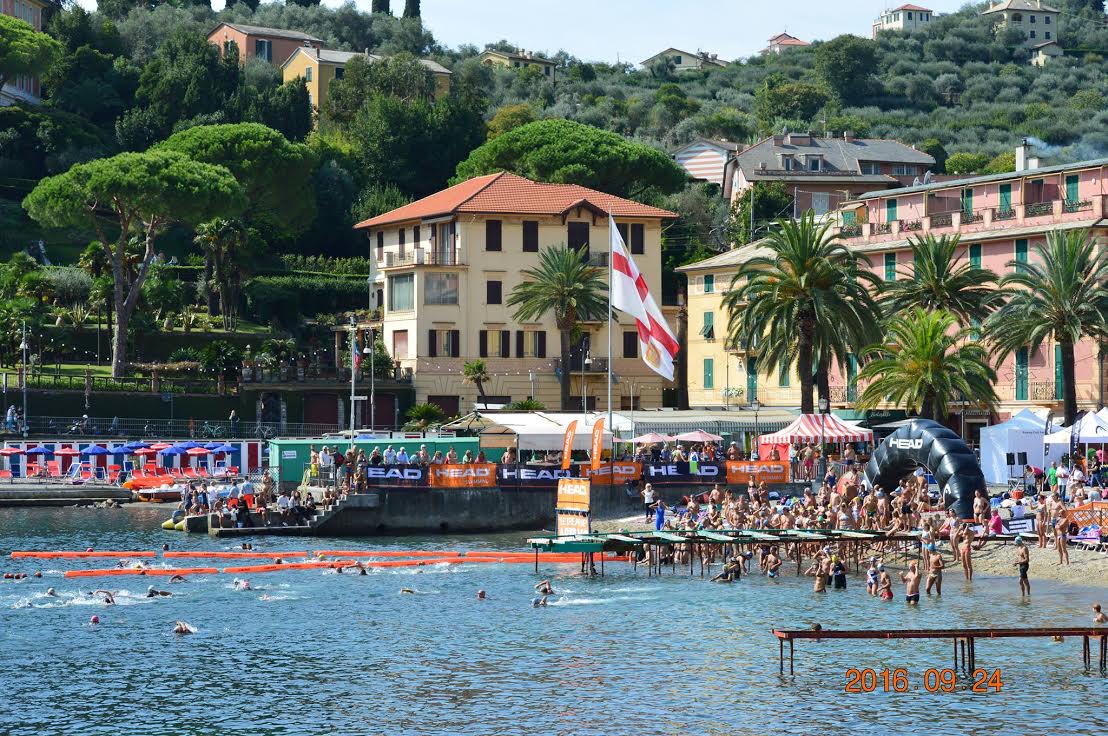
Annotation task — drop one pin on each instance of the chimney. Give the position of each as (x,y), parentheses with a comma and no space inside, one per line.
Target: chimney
(848,136)
(1021,156)
(1032,163)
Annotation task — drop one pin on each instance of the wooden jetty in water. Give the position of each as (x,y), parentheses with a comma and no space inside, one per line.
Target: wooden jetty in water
(965,640)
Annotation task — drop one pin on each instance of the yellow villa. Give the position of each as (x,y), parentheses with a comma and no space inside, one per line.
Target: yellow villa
(319,67)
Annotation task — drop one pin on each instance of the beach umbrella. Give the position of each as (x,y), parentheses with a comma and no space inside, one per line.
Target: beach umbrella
(213,446)
(9,451)
(651,438)
(67,452)
(136,445)
(171,451)
(190,445)
(698,436)
(40,450)
(196,451)
(160,446)
(144,451)
(96,450)
(226,448)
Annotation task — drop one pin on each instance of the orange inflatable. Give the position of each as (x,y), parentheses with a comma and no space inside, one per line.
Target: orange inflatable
(61,555)
(382,553)
(158,571)
(236,555)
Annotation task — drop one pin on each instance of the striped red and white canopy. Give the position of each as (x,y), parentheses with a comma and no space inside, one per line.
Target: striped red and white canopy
(811,427)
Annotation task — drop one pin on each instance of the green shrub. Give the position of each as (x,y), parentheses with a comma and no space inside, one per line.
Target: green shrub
(286,299)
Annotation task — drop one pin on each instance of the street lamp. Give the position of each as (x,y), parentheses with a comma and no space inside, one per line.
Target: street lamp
(756,406)
(586,362)
(369,350)
(823,407)
(531,375)
(23,346)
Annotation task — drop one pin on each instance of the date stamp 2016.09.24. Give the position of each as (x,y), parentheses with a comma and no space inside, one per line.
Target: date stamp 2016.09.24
(933,681)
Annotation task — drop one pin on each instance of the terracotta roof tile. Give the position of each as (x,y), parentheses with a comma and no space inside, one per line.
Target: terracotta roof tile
(509,194)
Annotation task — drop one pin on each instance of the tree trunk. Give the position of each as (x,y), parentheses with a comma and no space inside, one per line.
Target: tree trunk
(564,348)
(823,377)
(804,368)
(1069,383)
(211,295)
(930,408)
(681,372)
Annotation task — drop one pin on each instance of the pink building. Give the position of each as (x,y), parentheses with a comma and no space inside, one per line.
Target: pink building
(999,219)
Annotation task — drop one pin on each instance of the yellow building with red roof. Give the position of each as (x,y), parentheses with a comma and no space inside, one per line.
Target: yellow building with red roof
(447,263)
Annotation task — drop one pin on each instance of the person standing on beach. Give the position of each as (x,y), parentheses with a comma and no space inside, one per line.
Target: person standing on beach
(1042,517)
(659,515)
(935,567)
(647,494)
(1023,562)
(911,584)
(1061,540)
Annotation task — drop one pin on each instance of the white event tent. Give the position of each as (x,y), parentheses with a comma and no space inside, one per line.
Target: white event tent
(1022,433)
(1090,429)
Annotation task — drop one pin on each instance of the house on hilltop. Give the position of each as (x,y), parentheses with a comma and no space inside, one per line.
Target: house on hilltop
(707,159)
(23,87)
(319,67)
(1037,21)
(683,61)
(784,42)
(905,18)
(520,59)
(275,45)
(824,172)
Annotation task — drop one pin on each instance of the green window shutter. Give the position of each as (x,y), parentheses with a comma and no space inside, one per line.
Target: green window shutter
(751,379)
(1071,188)
(708,331)
(890,266)
(1005,197)
(709,284)
(1021,254)
(709,369)
(967,201)
(849,218)
(1059,377)
(1021,374)
(852,378)
(890,210)
(783,375)
(975,255)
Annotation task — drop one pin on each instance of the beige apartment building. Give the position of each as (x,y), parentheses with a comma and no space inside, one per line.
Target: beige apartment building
(448,263)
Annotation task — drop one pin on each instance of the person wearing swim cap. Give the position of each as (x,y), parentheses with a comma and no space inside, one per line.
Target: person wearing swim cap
(481,596)
(152,593)
(94,620)
(183,628)
(544,588)
(536,602)
(50,592)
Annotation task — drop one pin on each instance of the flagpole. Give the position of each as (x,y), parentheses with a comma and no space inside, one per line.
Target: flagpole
(611,427)
(353,374)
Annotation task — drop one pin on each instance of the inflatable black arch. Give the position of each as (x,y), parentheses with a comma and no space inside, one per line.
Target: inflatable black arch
(935,447)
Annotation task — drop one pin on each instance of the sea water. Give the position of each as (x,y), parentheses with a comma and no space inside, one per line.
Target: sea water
(311,652)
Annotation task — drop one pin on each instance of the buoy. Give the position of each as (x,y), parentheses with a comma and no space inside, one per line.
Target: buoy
(180,526)
(168,525)
(87,553)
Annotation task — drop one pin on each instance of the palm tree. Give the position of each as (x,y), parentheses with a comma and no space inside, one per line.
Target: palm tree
(808,293)
(422,416)
(1063,297)
(224,242)
(927,362)
(477,373)
(566,285)
(941,279)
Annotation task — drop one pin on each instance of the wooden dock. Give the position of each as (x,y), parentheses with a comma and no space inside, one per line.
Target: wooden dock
(964,640)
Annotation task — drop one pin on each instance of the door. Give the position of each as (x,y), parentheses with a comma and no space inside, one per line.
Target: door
(578,236)
(967,201)
(890,210)
(321,409)
(1005,197)
(751,379)
(1021,374)
(450,405)
(1072,195)
(384,410)
(444,245)
(400,345)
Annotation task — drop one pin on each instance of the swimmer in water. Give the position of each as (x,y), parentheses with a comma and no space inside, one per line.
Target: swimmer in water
(544,588)
(482,597)
(108,597)
(242,584)
(177,579)
(183,628)
(38,573)
(151,593)
(407,590)
(165,548)
(536,602)
(1099,617)
(50,592)
(94,620)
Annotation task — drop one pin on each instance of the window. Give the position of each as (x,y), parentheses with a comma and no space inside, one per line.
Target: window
(1046,35)
(630,344)
(440,288)
(751,378)
(415,235)
(402,293)
(624,232)
(783,375)
(546,70)
(444,343)
(578,236)
(380,245)
(530,236)
(494,343)
(1021,374)
(1033,19)
(709,370)
(400,344)
(708,330)
(852,378)
(1021,255)
(1031,34)
(1059,377)
(905,170)
(908,15)
(1017,17)
(492,234)
(263,49)
(709,283)
(890,210)
(400,239)
(1072,188)
(677,60)
(967,201)
(813,163)
(1046,20)
(638,239)
(530,344)
(890,266)
(494,292)
(787,162)
(308,74)
(1005,197)
(870,168)
(975,255)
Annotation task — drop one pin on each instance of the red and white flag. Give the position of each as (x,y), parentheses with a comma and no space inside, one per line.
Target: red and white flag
(630,295)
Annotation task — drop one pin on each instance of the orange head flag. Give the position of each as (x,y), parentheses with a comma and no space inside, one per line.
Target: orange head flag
(567,444)
(597,443)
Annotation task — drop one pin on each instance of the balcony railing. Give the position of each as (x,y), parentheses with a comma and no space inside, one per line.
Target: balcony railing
(844,394)
(911,226)
(598,259)
(422,257)
(943,220)
(1045,391)
(883,228)
(851,231)
(1038,209)
(968,218)
(1077,206)
(1003,214)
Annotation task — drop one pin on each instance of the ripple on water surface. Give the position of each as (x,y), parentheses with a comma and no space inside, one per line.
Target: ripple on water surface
(319,652)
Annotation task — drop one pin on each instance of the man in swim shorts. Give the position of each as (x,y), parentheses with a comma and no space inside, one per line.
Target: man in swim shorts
(935,567)
(1023,562)
(911,584)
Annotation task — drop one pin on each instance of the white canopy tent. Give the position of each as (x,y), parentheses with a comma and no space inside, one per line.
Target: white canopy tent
(1022,433)
(1090,429)
(542,431)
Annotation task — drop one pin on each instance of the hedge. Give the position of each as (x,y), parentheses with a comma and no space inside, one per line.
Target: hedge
(287,299)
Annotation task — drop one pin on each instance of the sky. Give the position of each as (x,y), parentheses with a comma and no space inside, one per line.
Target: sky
(633,30)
